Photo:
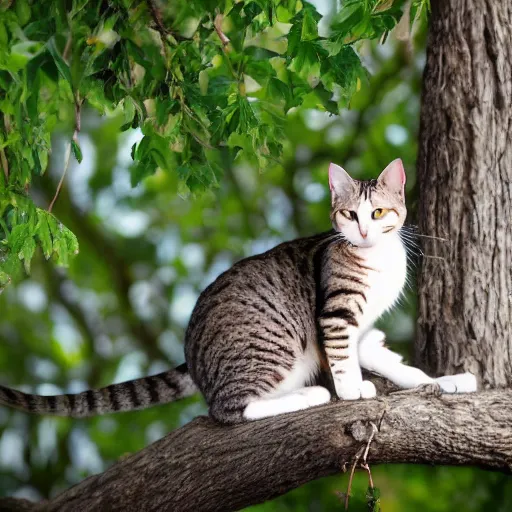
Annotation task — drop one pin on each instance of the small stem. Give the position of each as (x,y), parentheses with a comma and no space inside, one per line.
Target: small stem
(5,165)
(61,181)
(67,49)
(370,479)
(224,39)
(157,18)
(364,453)
(352,471)
(67,156)
(201,142)
(374,431)
(3,158)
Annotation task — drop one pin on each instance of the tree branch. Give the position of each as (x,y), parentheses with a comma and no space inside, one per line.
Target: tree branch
(208,467)
(67,157)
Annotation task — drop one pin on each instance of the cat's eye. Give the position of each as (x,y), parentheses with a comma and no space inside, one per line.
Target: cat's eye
(350,215)
(378,213)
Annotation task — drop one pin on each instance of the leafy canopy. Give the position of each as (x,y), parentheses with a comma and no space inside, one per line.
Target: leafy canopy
(203,82)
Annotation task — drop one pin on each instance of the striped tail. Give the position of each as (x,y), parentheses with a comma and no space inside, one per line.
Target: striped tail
(126,396)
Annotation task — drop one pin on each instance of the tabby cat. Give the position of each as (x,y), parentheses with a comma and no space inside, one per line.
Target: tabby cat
(262,334)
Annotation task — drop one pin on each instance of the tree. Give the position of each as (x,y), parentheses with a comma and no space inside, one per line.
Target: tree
(465,193)
(137,52)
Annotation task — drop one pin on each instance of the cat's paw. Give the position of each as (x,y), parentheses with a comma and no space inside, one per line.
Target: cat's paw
(355,390)
(459,383)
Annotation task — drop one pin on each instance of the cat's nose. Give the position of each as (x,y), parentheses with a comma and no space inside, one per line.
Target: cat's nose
(364,233)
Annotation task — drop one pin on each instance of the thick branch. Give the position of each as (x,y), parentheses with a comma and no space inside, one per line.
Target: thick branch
(208,467)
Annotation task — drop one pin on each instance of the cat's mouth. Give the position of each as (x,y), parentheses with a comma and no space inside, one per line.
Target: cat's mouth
(365,243)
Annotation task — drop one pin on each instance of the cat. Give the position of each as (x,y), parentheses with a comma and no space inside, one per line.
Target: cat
(263,332)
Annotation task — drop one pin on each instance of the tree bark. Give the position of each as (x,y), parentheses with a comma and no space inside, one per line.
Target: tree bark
(207,467)
(465,181)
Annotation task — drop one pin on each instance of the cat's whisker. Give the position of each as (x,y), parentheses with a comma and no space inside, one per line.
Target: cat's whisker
(433,237)
(434,257)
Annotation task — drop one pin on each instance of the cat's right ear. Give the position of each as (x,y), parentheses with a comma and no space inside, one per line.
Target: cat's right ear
(340,182)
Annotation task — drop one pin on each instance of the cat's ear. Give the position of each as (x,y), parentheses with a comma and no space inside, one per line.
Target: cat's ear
(393,177)
(340,182)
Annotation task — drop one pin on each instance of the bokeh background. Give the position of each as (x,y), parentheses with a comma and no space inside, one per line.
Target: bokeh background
(119,312)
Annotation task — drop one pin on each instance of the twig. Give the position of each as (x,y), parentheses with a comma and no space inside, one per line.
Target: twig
(5,165)
(364,453)
(3,158)
(67,48)
(67,157)
(372,435)
(157,18)
(200,141)
(365,465)
(352,471)
(224,39)
(370,479)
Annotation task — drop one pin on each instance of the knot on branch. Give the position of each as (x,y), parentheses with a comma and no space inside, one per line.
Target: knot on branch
(362,431)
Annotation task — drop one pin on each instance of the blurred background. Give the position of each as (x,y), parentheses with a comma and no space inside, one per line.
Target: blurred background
(119,312)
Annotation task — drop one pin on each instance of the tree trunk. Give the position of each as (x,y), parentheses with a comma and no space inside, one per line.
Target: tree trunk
(204,467)
(465,181)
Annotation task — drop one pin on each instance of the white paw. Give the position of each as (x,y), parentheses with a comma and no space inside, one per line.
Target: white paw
(315,395)
(459,383)
(355,390)
(368,389)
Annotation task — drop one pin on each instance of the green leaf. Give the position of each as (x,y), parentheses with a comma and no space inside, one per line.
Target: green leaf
(27,252)
(59,62)
(43,233)
(77,152)
(306,64)
(22,11)
(203,81)
(309,27)
(373,499)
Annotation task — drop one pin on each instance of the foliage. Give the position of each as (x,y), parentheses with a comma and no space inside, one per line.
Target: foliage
(205,85)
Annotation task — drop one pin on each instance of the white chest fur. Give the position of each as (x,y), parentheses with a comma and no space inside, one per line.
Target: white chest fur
(388,261)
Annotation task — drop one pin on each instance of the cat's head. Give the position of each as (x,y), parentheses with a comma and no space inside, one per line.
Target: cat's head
(367,211)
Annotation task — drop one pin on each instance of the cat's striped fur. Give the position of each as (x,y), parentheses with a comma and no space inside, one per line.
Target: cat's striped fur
(126,396)
(263,334)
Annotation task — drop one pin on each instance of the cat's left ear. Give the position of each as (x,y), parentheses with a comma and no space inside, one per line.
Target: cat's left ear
(393,177)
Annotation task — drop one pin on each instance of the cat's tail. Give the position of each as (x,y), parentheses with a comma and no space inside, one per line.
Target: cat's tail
(125,396)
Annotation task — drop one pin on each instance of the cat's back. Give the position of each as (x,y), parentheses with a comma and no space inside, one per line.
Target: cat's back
(275,271)
(270,294)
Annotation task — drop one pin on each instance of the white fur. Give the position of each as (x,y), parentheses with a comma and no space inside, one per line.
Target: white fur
(458,383)
(388,261)
(366,232)
(353,388)
(375,357)
(294,401)
(303,373)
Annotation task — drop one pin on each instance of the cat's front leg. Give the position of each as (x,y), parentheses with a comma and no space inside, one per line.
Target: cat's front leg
(342,354)
(375,357)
